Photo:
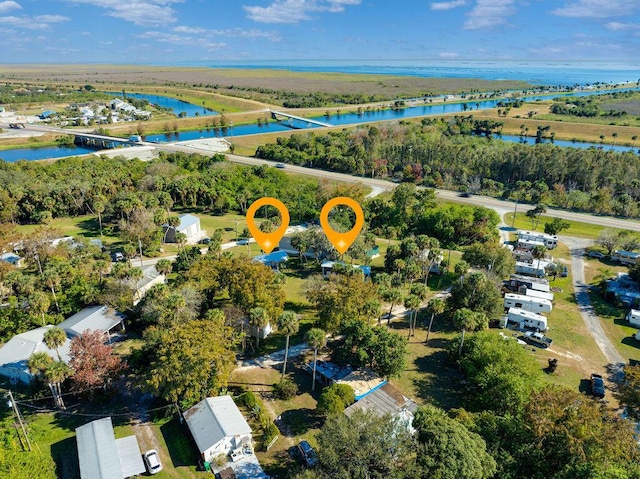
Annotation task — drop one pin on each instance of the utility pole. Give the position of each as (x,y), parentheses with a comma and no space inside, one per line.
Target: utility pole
(13,404)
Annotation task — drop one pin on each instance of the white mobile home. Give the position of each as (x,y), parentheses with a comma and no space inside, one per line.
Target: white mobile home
(516,282)
(625,257)
(528,244)
(633,316)
(526,320)
(528,303)
(537,294)
(547,240)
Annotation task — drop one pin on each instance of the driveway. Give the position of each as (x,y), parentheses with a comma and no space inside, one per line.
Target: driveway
(577,246)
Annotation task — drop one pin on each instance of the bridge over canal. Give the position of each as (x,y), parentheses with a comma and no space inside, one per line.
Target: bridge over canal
(275,114)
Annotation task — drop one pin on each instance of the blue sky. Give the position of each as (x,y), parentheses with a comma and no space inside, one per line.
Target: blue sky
(183,31)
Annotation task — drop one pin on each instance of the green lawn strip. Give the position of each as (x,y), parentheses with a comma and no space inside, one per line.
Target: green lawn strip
(85,227)
(177,450)
(576,228)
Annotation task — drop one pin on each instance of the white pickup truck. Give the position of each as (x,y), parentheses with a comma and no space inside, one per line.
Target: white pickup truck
(537,339)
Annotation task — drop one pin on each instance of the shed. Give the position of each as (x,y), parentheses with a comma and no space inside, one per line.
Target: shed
(217,426)
(17,351)
(189,225)
(101,456)
(99,318)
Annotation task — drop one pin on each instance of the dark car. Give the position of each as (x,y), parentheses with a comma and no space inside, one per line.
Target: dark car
(596,254)
(465,194)
(564,273)
(307,453)
(597,386)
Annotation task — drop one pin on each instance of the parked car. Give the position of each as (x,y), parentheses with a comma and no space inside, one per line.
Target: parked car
(564,273)
(280,165)
(152,460)
(308,454)
(596,254)
(597,386)
(205,241)
(465,194)
(117,257)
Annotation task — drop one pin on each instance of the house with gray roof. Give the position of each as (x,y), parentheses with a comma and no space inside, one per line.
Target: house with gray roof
(102,456)
(17,351)
(386,400)
(94,318)
(217,426)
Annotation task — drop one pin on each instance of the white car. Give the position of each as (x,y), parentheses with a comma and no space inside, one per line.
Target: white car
(152,460)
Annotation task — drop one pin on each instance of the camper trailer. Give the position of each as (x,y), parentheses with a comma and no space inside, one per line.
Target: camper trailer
(535,294)
(633,316)
(536,269)
(625,257)
(528,303)
(548,241)
(526,320)
(518,281)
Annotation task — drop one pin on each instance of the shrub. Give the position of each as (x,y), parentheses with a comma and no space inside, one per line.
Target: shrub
(285,389)
(249,399)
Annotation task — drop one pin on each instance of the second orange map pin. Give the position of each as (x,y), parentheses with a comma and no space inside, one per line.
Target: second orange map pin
(267,241)
(341,241)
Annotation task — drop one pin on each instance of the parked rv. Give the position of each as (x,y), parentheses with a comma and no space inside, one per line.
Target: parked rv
(528,303)
(517,281)
(625,257)
(549,241)
(536,269)
(536,294)
(633,316)
(537,339)
(525,320)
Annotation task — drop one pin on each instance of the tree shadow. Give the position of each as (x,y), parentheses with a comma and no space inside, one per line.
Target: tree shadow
(181,447)
(297,422)
(585,386)
(441,384)
(65,456)
(90,228)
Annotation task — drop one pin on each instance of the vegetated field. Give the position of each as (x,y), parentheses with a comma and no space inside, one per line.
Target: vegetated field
(576,229)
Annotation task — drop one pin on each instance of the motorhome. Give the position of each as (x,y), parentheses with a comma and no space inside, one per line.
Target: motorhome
(525,320)
(549,241)
(528,303)
(517,281)
(633,316)
(536,269)
(535,294)
(625,257)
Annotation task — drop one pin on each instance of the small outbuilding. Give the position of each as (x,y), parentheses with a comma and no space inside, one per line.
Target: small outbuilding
(218,427)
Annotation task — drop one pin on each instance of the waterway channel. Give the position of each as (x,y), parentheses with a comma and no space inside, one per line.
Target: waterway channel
(335,119)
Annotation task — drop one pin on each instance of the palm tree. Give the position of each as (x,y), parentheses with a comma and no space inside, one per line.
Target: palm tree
(539,252)
(392,296)
(164,266)
(55,374)
(465,319)
(412,303)
(39,303)
(41,364)
(436,306)
(102,267)
(54,338)
(259,319)
(316,339)
(288,324)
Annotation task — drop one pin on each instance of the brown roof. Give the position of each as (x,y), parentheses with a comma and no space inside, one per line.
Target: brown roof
(227,473)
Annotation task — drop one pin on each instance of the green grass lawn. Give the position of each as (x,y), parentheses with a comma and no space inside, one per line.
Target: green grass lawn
(85,227)
(576,228)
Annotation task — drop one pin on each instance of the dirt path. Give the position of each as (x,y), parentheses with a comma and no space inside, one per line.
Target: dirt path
(592,321)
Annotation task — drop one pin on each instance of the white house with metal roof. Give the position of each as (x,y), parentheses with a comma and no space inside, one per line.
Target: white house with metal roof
(102,456)
(17,351)
(94,318)
(217,426)
(189,225)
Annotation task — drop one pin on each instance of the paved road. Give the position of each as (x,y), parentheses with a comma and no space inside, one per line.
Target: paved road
(584,302)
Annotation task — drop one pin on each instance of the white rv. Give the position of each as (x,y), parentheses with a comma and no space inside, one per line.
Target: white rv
(547,240)
(518,281)
(633,316)
(528,303)
(532,269)
(526,320)
(536,294)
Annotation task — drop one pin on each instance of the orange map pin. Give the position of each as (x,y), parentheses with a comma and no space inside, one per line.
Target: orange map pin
(268,241)
(341,241)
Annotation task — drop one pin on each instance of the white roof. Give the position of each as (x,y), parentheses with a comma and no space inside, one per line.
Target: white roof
(17,351)
(97,451)
(213,419)
(527,314)
(527,299)
(187,220)
(130,456)
(100,318)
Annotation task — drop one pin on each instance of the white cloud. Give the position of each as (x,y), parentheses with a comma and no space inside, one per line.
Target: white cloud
(448,55)
(596,8)
(621,26)
(488,14)
(140,12)
(39,22)
(9,5)
(294,11)
(172,38)
(447,5)
(194,30)
(230,32)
